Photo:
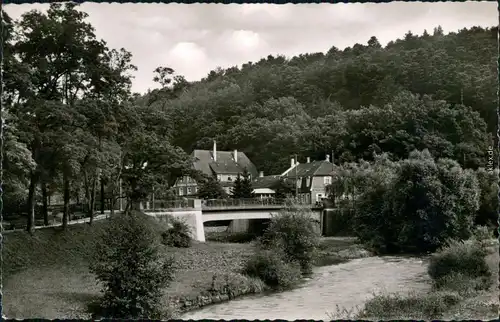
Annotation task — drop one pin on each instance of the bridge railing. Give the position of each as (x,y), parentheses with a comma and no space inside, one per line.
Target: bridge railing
(172,204)
(242,203)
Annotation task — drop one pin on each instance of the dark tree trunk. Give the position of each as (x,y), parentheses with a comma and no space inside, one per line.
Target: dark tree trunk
(102,196)
(30,227)
(66,193)
(92,200)
(112,202)
(45,207)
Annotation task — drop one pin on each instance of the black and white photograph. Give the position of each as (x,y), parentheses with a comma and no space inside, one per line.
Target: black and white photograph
(250,161)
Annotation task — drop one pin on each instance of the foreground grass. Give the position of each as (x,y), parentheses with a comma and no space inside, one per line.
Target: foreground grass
(46,275)
(60,285)
(456,301)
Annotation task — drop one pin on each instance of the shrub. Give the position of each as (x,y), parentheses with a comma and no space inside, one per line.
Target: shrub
(234,284)
(179,235)
(462,284)
(293,232)
(482,234)
(127,262)
(414,306)
(273,269)
(467,258)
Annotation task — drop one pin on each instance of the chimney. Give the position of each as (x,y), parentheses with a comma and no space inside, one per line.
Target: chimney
(235,155)
(308,160)
(328,158)
(215,151)
(292,162)
(261,174)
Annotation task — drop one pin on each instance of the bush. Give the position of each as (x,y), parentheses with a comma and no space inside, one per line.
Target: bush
(179,235)
(273,269)
(395,306)
(482,234)
(293,232)
(467,258)
(462,284)
(234,284)
(126,261)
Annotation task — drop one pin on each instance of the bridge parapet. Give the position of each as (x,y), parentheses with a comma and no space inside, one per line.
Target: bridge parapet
(227,204)
(242,203)
(183,204)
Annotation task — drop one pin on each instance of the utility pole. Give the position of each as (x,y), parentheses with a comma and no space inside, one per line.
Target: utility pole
(296,180)
(120,196)
(331,179)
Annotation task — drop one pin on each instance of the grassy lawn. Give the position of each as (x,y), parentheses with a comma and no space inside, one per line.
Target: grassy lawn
(46,275)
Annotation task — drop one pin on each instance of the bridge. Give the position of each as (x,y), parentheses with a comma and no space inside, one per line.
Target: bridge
(196,212)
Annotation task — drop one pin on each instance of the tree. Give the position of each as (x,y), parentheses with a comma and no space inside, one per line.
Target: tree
(237,188)
(284,189)
(418,205)
(487,215)
(243,186)
(210,188)
(131,269)
(58,47)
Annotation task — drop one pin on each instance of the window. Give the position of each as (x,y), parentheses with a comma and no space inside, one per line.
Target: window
(308,180)
(327,180)
(189,190)
(181,191)
(219,177)
(229,178)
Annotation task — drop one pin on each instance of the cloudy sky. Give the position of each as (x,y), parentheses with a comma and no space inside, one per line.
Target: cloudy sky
(196,38)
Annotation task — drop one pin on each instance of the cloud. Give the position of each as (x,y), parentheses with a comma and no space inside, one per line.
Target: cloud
(195,38)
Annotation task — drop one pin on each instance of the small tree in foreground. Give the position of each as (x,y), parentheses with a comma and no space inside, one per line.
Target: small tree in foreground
(132,272)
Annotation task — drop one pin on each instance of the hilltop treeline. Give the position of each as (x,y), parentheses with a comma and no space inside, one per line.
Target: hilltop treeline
(431,91)
(73,126)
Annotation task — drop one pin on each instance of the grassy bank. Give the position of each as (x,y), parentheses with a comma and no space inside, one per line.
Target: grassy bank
(456,297)
(46,275)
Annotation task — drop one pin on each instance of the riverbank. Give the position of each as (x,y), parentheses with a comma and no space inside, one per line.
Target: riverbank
(46,275)
(456,300)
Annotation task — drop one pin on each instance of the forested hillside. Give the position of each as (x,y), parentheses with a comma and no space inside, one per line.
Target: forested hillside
(73,127)
(354,101)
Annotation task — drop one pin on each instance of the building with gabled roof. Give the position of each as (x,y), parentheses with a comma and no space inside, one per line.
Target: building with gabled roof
(310,179)
(224,165)
(265,186)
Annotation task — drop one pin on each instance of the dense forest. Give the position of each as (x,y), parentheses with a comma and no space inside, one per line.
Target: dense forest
(73,126)
(431,91)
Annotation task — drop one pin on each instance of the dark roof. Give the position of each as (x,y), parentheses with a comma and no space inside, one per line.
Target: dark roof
(311,169)
(266,182)
(225,164)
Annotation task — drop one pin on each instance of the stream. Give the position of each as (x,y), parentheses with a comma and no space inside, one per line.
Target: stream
(346,285)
